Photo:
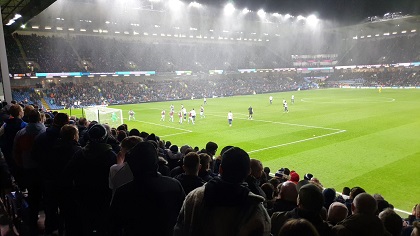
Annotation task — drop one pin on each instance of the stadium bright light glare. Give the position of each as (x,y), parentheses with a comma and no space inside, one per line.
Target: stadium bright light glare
(312,20)
(261,13)
(276,14)
(229,9)
(300,17)
(245,11)
(287,16)
(11,21)
(17,16)
(175,4)
(195,4)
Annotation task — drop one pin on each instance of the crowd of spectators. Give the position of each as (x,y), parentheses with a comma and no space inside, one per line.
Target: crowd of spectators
(93,179)
(99,54)
(397,78)
(382,51)
(65,94)
(53,54)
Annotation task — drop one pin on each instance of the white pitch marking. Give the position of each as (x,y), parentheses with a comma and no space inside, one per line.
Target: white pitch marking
(347,100)
(166,126)
(174,134)
(298,141)
(291,124)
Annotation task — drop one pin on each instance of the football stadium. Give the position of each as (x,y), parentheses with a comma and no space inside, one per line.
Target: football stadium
(210,117)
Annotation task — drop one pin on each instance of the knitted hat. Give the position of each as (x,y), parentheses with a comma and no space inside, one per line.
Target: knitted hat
(97,133)
(308,176)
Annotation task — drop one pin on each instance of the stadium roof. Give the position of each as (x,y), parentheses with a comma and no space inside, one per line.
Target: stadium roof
(404,25)
(350,15)
(21,11)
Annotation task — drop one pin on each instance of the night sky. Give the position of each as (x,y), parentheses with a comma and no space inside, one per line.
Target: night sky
(343,11)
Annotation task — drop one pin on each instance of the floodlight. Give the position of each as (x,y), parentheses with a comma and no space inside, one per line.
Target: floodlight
(229,9)
(23,26)
(10,22)
(17,16)
(312,20)
(287,16)
(174,4)
(245,11)
(276,14)
(300,17)
(261,13)
(195,4)
(404,31)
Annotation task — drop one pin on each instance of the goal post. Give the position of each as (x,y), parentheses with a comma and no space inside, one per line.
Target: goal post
(104,115)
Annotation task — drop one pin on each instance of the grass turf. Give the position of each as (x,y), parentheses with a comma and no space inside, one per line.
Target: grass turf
(344,137)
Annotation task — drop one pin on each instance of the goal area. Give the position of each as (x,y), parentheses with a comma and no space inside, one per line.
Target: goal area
(104,115)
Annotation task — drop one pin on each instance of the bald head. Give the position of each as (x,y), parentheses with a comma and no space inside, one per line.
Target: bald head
(364,204)
(288,191)
(256,168)
(337,212)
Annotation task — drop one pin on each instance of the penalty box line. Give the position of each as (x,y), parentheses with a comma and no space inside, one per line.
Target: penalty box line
(284,123)
(336,131)
(185,131)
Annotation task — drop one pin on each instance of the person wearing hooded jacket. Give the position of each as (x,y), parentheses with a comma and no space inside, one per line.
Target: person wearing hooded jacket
(89,171)
(157,198)
(224,206)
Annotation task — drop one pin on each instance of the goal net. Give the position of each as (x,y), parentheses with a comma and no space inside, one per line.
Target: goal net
(104,115)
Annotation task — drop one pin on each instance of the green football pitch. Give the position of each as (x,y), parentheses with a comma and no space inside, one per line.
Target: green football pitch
(344,137)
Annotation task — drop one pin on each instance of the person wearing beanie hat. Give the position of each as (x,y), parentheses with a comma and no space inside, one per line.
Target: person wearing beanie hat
(158,198)
(224,206)
(294,177)
(308,176)
(310,202)
(98,134)
(89,172)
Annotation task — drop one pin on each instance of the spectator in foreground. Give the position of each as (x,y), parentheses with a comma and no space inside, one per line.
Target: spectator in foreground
(336,213)
(189,179)
(363,221)
(89,171)
(286,200)
(392,222)
(299,227)
(29,168)
(120,173)
(224,206)
(158,198)
(310,202)
(253,179)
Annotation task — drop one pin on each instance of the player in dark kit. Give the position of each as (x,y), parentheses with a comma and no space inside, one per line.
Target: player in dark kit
(250,112)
